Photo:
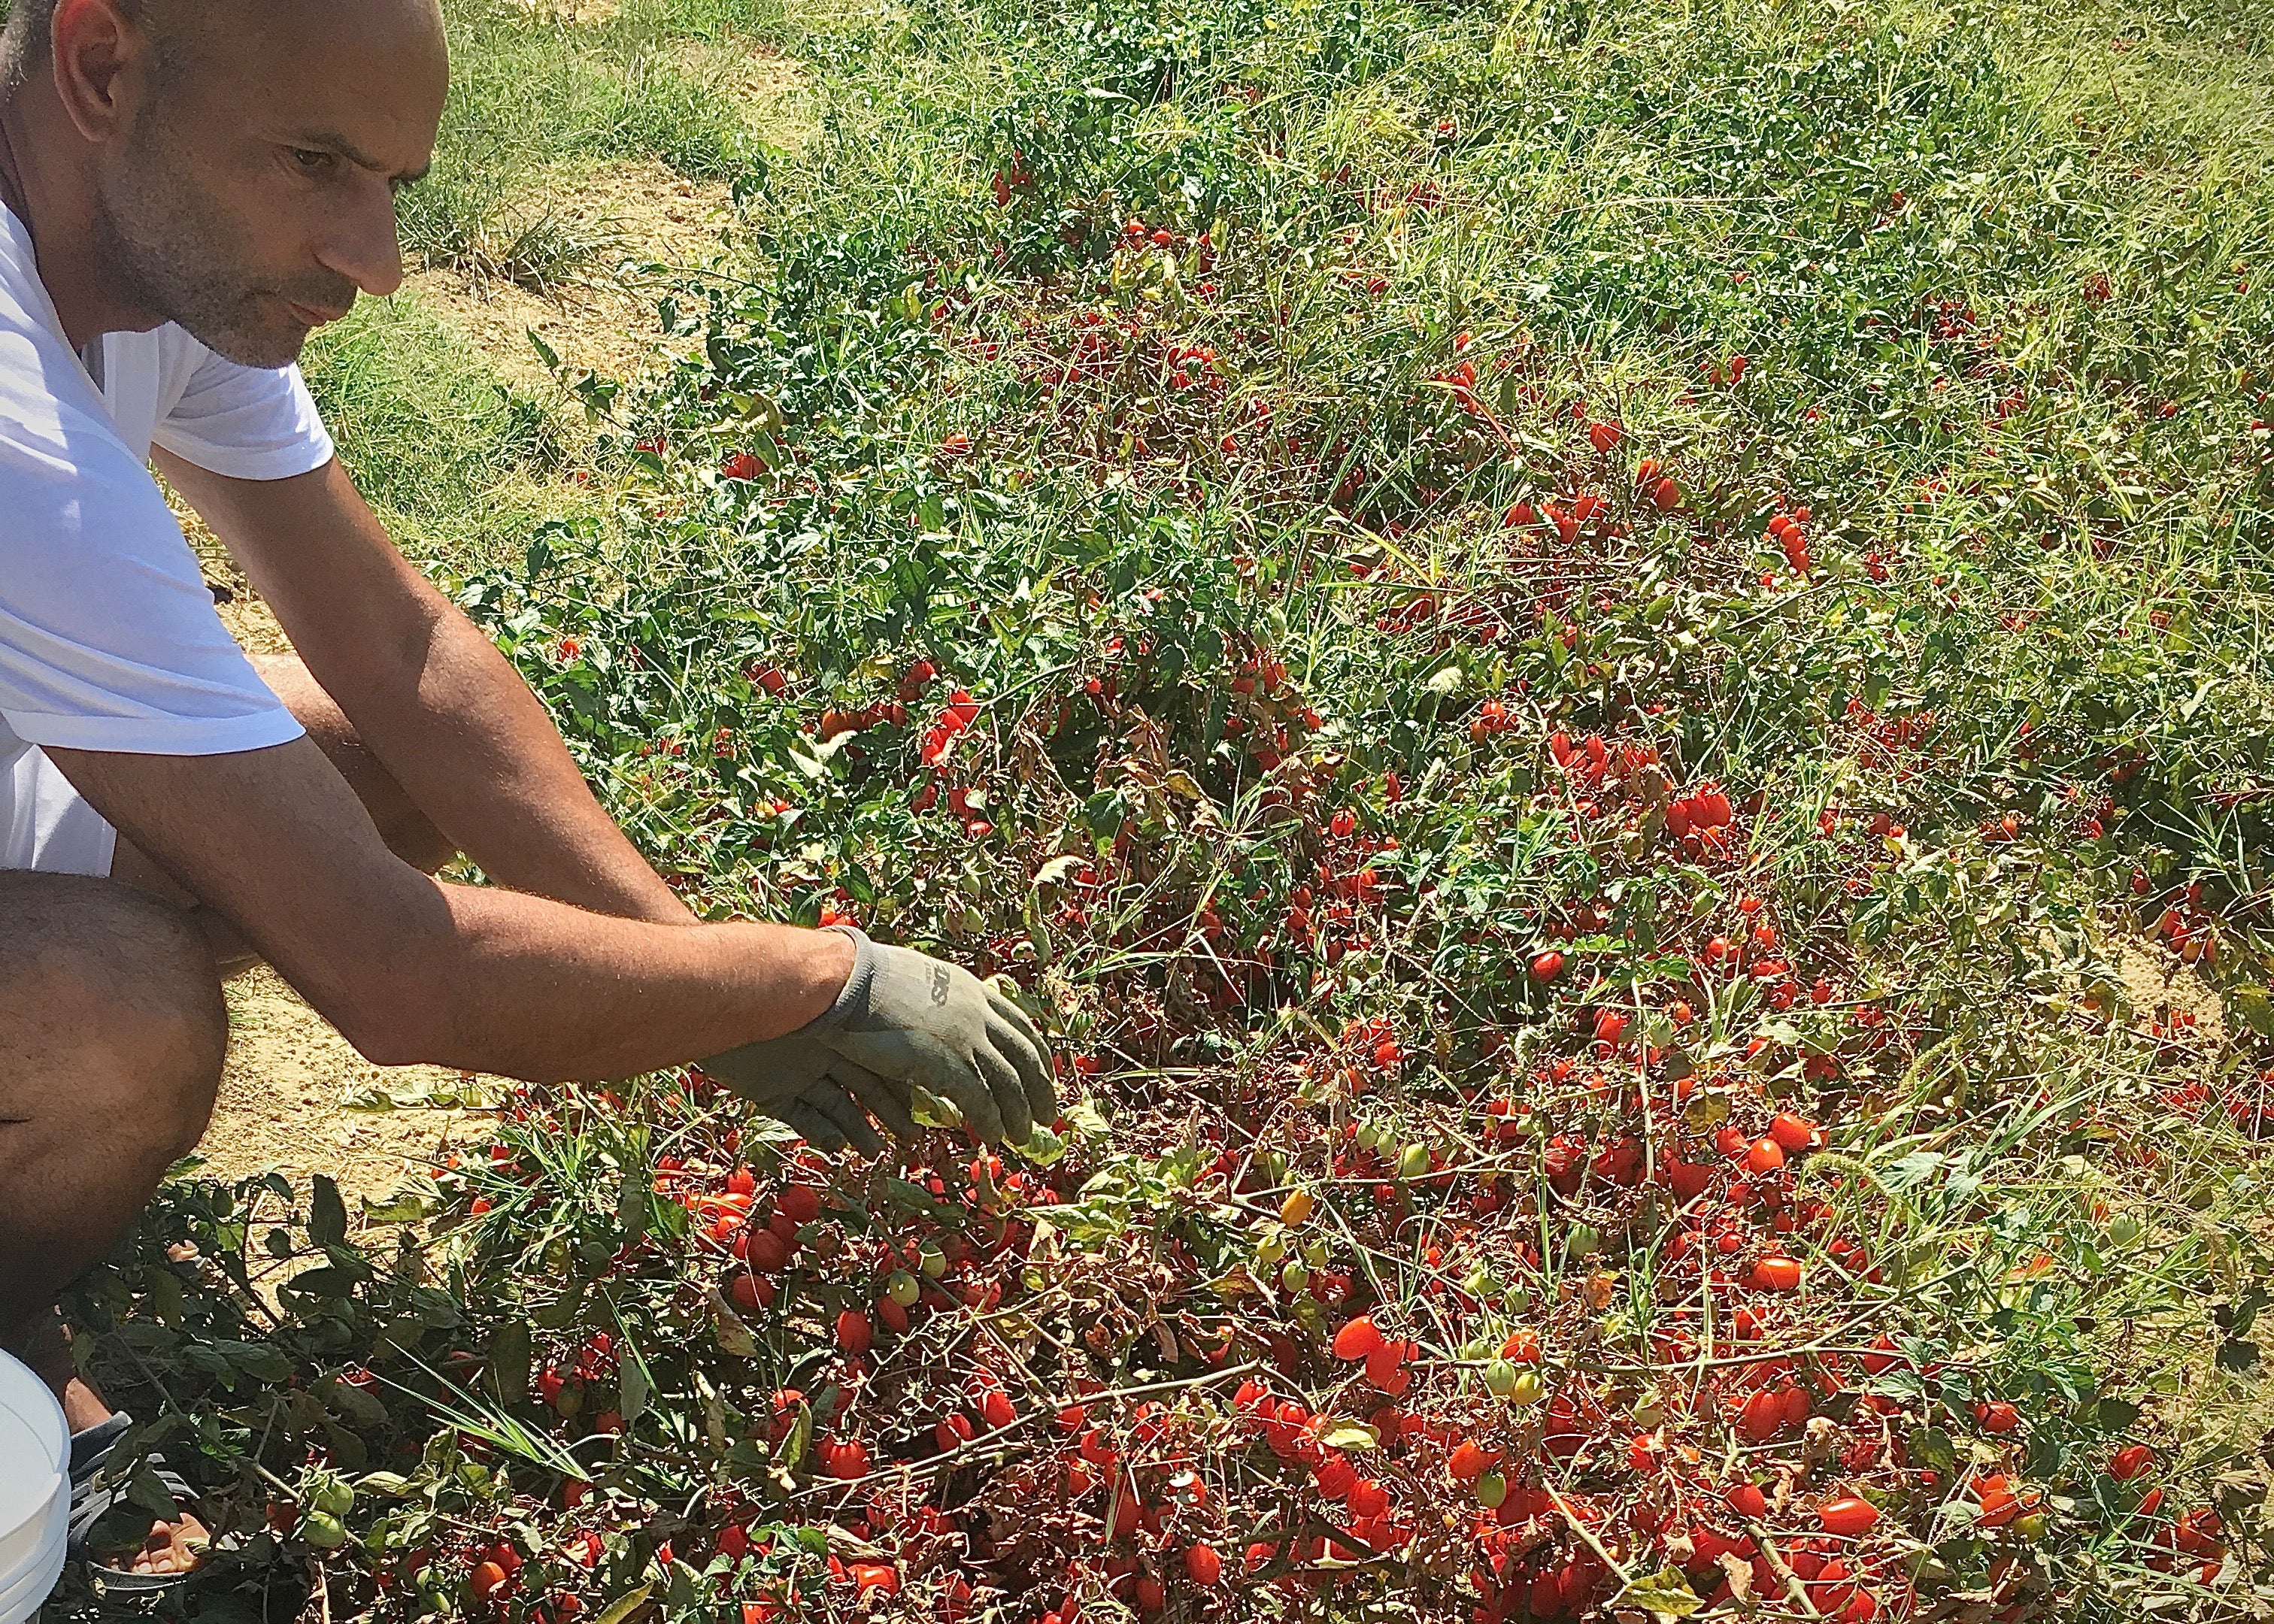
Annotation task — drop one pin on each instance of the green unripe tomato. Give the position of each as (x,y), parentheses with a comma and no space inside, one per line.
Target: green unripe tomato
(1518,1300)
(2030,1527)
(1413,1161)
(1492,1488)
(1316,1252)
(334,1497)
(1500,1378)
(1529,1387)
(2124,1229)
(933,1261)
(1583,1239)
(1295,1277)
(1369,1137)
(323,1531)
(1271,1248)
(902,1288)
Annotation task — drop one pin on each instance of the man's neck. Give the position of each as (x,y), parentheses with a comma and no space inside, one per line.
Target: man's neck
(45,184)
(11,190)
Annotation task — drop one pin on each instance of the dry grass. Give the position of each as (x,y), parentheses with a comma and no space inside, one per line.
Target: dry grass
(604,318)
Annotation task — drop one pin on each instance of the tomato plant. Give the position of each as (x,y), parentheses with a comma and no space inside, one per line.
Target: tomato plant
(1571,753)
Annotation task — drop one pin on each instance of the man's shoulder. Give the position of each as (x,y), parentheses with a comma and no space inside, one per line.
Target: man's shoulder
(160,365)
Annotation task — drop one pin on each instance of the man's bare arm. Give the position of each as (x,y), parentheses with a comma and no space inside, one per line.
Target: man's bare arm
(426,692)
(412,970)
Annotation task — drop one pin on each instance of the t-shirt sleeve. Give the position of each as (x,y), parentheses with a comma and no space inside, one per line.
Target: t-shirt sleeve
(244,422)
(109,638)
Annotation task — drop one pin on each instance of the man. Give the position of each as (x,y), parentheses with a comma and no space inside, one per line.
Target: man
(192,187)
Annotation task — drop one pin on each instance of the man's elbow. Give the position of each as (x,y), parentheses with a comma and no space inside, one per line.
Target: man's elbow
(397,1014)
(391,1036)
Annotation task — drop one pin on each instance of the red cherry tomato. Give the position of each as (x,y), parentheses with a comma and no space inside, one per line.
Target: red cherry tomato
(1847,1516)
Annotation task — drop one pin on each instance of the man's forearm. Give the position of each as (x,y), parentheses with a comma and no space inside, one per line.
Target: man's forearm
(427,695)
(411,969)
(513,987)
(477,752)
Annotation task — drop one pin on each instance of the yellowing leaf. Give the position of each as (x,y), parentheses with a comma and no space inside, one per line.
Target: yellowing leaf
(1665,1594)
(1708,1107)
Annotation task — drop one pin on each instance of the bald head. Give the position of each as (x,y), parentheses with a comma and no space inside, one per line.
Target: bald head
(240,157)
(176,27)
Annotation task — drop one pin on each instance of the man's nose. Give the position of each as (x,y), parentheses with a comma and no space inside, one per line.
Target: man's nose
(363,245)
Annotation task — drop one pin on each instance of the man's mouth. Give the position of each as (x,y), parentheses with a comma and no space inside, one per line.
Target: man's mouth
(309,316)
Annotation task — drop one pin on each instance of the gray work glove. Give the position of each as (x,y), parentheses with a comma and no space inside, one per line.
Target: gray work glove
(801,1081)
(913,1020)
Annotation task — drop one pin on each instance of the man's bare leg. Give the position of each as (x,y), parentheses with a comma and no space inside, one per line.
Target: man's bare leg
(184,951)
(112,1032)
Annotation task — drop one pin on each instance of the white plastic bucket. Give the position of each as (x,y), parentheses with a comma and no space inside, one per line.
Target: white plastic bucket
(39,1581)
(34,1492)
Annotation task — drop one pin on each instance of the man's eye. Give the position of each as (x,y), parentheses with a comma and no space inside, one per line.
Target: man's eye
(314,162)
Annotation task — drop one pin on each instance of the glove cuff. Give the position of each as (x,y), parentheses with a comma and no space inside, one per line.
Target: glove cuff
(853,1001)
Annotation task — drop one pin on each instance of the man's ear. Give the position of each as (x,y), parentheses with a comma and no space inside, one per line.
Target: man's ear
(97,50)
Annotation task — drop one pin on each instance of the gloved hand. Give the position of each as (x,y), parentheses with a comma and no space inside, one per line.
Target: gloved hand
(914,1020)
(801,1081)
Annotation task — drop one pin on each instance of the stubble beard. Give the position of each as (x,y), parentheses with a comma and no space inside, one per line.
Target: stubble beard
(175,254)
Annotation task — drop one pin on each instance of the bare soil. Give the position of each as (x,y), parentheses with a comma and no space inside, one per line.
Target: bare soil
(2158,987)
(572,12)
(297,1099)
(605,321)
(768,87)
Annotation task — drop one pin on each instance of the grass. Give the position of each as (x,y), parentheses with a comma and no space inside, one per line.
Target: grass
(461,465)
(529,94)
(435,440)
(1272,612)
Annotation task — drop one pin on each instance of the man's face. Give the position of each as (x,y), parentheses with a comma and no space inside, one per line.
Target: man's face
(251,195)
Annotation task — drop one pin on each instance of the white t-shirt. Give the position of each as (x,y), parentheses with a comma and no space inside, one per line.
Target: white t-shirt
(108,637)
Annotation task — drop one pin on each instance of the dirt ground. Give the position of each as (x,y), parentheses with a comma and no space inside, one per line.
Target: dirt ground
(298,1099)
(2158,988)
(606,323)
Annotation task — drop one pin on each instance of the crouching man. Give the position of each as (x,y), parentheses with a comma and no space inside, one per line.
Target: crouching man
(187,189)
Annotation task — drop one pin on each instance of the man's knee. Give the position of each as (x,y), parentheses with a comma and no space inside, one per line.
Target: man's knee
(158,991)
(117,990)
